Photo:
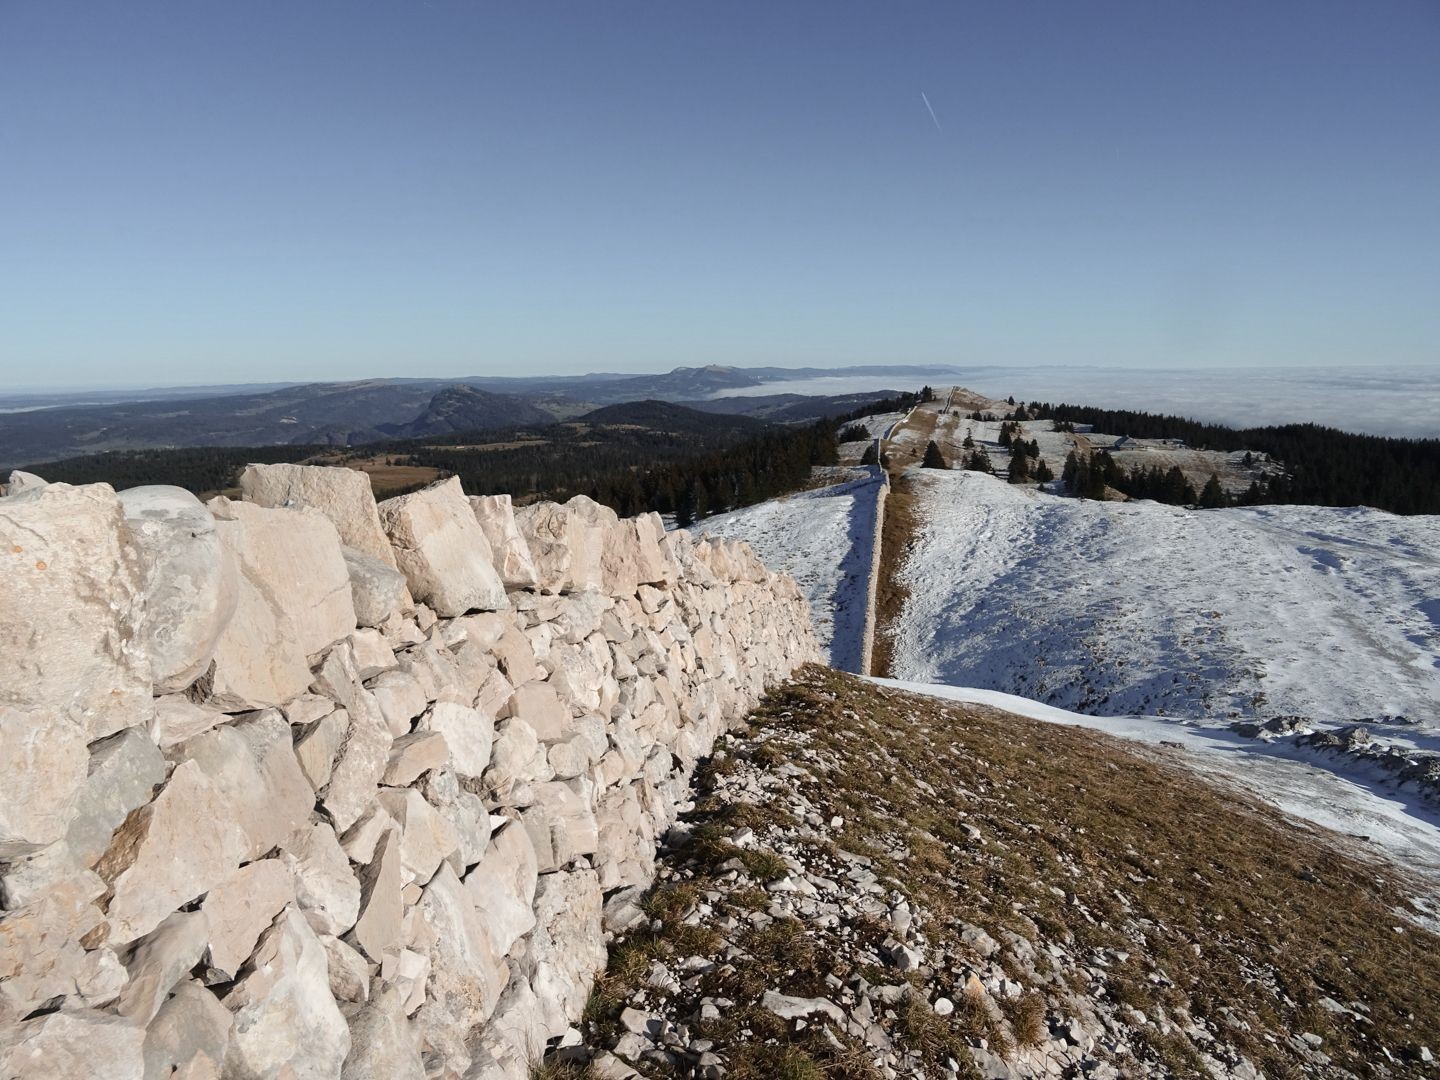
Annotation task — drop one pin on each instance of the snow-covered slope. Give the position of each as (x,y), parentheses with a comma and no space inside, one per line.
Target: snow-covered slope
(1140,608)
(823,539)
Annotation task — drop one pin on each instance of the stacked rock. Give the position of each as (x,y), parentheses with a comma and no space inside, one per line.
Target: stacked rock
(299,785)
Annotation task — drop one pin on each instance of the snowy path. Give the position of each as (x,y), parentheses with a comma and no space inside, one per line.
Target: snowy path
(824,539)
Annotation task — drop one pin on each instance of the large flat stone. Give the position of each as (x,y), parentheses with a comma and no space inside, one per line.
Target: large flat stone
(72,609)
(342,495)
(442,551)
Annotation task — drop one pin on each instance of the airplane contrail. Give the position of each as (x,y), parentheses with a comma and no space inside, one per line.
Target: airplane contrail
(932,111)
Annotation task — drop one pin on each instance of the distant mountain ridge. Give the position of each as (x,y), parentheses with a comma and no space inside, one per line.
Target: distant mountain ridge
(375,410)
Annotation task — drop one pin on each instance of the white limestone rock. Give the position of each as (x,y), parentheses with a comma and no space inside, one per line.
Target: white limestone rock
(442,551)
(190,581)
(567,947)
(240,909)
(342,495)
(72,610)
(384,1044)
(426,838)
(539,706)
(41,952)
(177,718)
(468,733)
(325,887)
(251,764)
(413,755)
(467,972)
(381,908)
(78,1045)
(294,603)
(508,549)
(45,765)
(191,1031)
(561,824)
(502,886)
(22,481)
(401,699)
(285,1017)
(377,589)
(162,958)
(169,852)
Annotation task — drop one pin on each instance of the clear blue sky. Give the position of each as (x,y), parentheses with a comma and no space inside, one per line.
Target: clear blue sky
(218,190)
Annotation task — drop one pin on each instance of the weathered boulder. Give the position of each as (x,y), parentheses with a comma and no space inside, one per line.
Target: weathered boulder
(502,886)
(467,972)
(162,958)
(190,581)
(508,549)
(286,1021)
(177,718)
(325,887)
(545,527)
(72,609)
(567,948)
(294,603)
(252,767)
(442,551)
(591,527)
(74,1046)
(378,928)
(539,706)
(561,824)
(635,555)
(41,951)
(377,589)
(426,838)
(468,734)
(383,1043)
(169,852)
(363,758)
(45,761)
(240,909)
(342,495)
(413,755)
(22,481)
(191,1030)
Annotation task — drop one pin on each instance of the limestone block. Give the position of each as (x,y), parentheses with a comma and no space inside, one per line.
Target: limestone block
(545,527)
(401,699)
(325,887)
(384,1045)
(415,754)
(362,760)
(567,947)
(377,589)
(561,824)
(190,582)
(21,481)
(371,653)
(74,1045)
(294,603)
(192,1027)
(241,908)
(467,973)
(169,852)
(72,609)
(285,1017)
(41,956)
(541,708)
(317,746)
(494,693)
(349,971)
(162,959)
(591,527)
(468,733)
(251,764)
(508,549)
(464,810)
(502,886)
(426,838)
(378,927)
(515,1035)
(342,495)
(177,718)
(516,657)
(442,551)
(45,763)
(518,758)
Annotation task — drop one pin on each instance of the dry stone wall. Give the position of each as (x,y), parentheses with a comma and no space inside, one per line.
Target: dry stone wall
(302,786)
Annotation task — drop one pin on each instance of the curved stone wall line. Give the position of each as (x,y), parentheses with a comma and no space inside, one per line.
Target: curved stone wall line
(299,785)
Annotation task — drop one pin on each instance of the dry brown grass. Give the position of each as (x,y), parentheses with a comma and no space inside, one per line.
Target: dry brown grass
(896,534)
(1209,904)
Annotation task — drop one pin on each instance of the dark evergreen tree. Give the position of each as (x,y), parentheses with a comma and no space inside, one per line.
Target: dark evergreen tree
(871,456)
(1043,472)
(1212,496)
(934,459)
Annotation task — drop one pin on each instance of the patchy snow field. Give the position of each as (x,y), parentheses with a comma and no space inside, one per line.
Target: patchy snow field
(1139,608)
(824,540)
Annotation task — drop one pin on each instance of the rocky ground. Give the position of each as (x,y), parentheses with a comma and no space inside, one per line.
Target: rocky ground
(873,884)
